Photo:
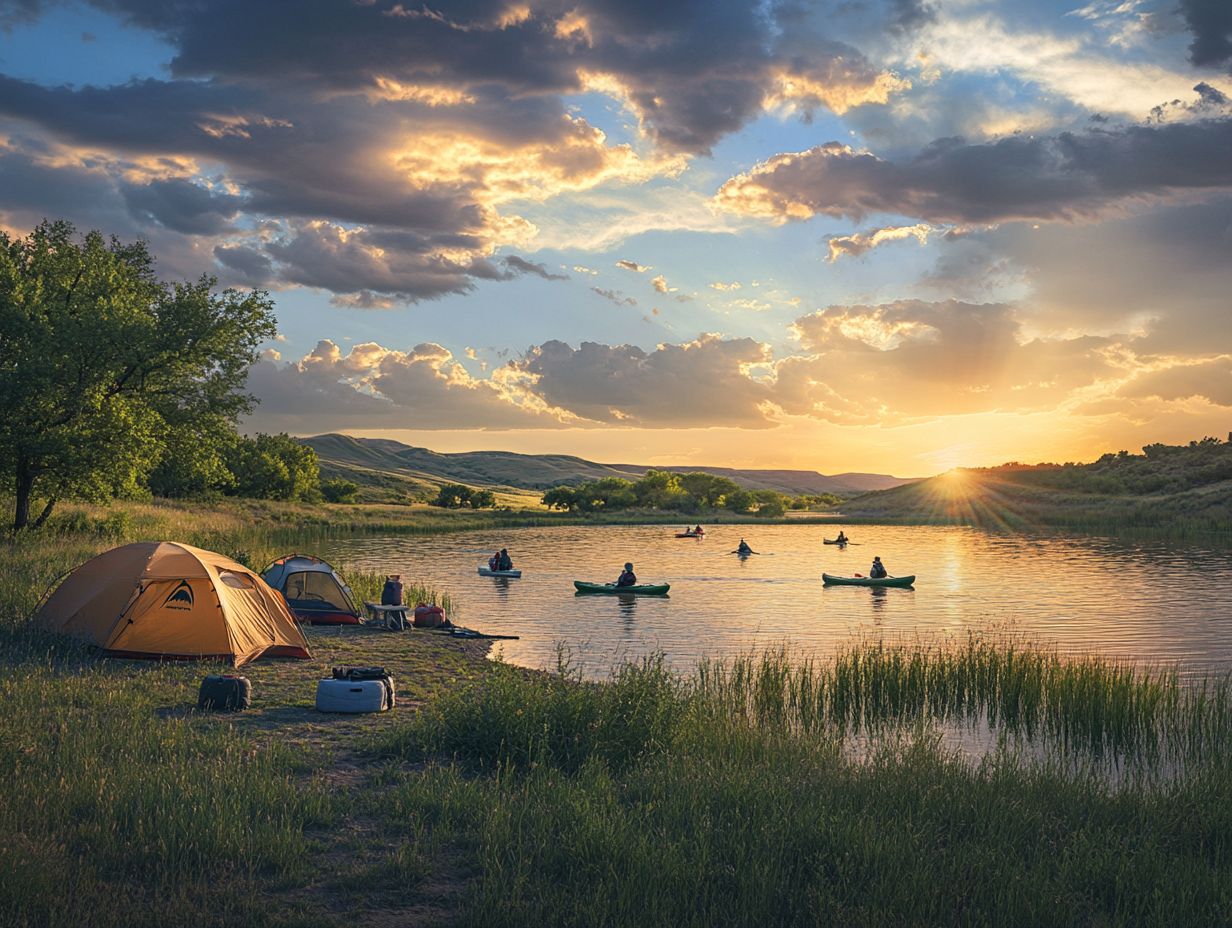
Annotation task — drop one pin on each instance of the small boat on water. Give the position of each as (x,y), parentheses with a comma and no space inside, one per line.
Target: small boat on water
(641,589)
(489,572)
(842,543)
(690,534)
(831,580)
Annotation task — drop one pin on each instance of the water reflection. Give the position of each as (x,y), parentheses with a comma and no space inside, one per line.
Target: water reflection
(1132,600)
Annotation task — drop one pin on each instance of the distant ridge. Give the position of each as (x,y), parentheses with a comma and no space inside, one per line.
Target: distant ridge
(385,462)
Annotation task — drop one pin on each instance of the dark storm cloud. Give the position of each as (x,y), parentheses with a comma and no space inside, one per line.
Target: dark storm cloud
(1210,22)
(252,265)
(183,206)
(1066,176)
(414,124)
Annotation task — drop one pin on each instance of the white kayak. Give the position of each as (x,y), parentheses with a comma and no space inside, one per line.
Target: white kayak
(489,572)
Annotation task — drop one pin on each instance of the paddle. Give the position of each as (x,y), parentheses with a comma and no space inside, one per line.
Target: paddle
(738,551)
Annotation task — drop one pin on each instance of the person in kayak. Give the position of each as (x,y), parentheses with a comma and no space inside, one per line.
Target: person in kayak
(628,577)
(699,531)
(743,547)
(494,561)
(503,560)
(877,571)
(841,539)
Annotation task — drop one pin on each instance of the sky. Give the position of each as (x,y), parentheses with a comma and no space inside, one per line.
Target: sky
(866,235)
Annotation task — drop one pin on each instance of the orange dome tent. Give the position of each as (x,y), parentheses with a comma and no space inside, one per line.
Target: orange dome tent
(162,599)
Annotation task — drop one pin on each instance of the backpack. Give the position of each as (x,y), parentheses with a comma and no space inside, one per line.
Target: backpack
(429,616)
(369,673)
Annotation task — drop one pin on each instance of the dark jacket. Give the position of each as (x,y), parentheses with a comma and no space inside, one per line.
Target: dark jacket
(391,593)
(504,562)
(627,578)
(877,571)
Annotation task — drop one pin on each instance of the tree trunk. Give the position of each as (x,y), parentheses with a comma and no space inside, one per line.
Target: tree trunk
(51,504)
(25,486)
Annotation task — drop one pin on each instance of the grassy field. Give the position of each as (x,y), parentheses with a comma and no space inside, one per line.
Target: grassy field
(757,791)
(1176,491)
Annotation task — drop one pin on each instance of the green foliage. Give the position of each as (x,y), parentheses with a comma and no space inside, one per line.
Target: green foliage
(739,501)
(194,461)
(665,491)
(770,503)
(483,499)
(101,362)
(274,467)
(339,490)
(452,496)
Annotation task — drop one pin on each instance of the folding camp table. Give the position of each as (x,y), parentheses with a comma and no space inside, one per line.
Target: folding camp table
(391,617)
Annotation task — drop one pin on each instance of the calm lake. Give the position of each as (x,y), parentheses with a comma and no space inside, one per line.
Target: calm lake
(1152,602)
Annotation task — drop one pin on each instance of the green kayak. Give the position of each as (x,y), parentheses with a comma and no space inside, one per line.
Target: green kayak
(645,589)
(831,580)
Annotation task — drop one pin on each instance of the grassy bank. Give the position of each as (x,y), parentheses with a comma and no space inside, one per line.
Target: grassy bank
(757,791)
(735,797)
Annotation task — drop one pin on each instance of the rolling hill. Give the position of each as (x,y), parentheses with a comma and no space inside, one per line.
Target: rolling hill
(1168,487)
(393,466)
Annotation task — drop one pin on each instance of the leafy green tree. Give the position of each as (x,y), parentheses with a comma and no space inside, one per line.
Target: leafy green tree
(338,490)
(609,494)
(100,361)
(274,467)
(194,459)
(561,498)
(769,503)
(453,496)
(483,499)
(659,489)
(708,489)
(739,501)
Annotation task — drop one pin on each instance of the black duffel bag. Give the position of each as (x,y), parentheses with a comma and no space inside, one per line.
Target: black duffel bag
(224,693)
(369,673)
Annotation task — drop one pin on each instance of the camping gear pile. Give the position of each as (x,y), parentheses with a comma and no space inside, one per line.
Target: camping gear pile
(356,689)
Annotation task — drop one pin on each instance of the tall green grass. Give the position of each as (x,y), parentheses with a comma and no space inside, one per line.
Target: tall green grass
(733,798)
(1100,706)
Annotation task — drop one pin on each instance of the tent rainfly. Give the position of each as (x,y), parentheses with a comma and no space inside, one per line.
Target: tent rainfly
(163,599)
(313,590)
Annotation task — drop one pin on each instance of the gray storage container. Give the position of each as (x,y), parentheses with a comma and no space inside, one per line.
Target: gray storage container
(354,695)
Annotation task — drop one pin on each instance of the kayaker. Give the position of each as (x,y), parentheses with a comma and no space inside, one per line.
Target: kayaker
(743,547)
(494,561)
(877,571)
(504,561)
(841,539)
(699,531)
(628,577)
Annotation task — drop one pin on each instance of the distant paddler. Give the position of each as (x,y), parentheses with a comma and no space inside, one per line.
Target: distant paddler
(743,549)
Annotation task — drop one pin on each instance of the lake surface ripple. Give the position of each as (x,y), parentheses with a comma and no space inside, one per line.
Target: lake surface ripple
(1154,603)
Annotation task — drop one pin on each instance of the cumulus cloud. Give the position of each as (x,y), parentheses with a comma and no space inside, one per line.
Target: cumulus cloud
(626,265)
(1069,176)
(858,243)
(1210,380)
(910,359)
(451,118)
(700,383)
(371,386)
(660,285)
